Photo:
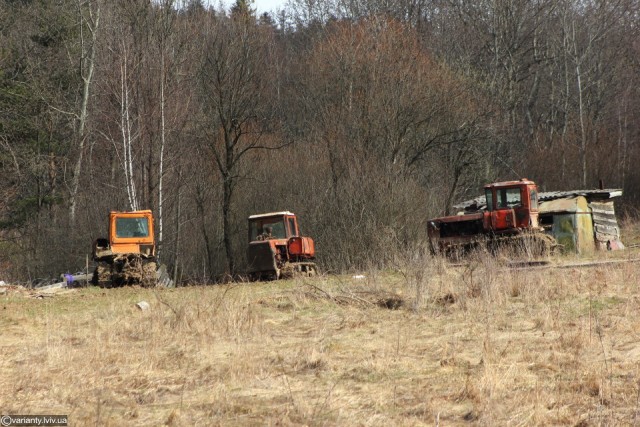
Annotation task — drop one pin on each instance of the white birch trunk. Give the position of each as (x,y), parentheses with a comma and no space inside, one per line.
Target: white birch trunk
(86,62)
(583,135)
(125,124)
(161,166)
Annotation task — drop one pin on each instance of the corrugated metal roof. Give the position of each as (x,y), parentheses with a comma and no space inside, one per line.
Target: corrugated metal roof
(589,194)
(479,203)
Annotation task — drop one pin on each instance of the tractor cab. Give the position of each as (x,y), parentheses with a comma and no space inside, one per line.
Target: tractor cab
(275,242)
(132,232)
(277,225)
(129,233)
(511,206)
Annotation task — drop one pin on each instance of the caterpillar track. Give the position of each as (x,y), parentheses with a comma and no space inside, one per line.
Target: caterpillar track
(128,269)
(525,245)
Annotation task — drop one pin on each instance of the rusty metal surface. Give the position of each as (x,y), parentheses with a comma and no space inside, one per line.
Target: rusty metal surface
(457,218)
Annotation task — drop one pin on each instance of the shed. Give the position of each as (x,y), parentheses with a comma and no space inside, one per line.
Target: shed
(570,222)
(600,218)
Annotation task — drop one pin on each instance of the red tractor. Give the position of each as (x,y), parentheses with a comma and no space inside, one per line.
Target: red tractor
(511,217)
(276,248)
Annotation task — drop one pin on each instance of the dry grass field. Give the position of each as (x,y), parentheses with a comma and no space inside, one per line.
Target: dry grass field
(423,344)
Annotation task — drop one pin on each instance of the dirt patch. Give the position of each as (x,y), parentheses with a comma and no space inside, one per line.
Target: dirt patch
(392,303)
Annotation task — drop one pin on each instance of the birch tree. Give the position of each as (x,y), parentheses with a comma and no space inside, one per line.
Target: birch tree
(89,20)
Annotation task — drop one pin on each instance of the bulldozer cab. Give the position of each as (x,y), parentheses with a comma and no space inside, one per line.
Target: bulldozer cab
(511,205)
(275,225)
(132,232)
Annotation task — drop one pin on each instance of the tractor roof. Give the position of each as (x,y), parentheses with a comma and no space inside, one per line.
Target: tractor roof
(265,215)
(524,181)
(141,212)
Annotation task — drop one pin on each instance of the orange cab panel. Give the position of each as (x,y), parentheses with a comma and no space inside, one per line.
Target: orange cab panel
(125,248)
(132,233)
(302,247)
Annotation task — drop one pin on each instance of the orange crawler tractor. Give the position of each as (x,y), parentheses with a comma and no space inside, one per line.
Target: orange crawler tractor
(510,220)
(128,256)
(276,249)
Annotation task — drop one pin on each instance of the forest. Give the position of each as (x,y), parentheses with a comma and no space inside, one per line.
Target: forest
(364,117)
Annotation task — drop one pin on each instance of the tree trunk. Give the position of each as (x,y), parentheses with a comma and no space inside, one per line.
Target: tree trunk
(81,137)
(226,225)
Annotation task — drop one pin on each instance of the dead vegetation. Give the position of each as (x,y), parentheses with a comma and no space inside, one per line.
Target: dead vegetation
(427,343)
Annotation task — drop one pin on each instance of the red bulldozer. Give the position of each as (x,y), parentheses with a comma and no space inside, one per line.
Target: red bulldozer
(510,220)
(276,248)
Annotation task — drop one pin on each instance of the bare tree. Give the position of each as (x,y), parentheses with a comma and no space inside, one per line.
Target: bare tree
(235,95)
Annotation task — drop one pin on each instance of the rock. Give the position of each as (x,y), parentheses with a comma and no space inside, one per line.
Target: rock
(143,305)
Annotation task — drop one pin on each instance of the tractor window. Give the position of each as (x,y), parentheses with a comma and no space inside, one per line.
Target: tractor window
(253,231)
(292,226)
(267,228)
(509,198)
(132,227)
(277,230)
(489,195)
(534,199)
